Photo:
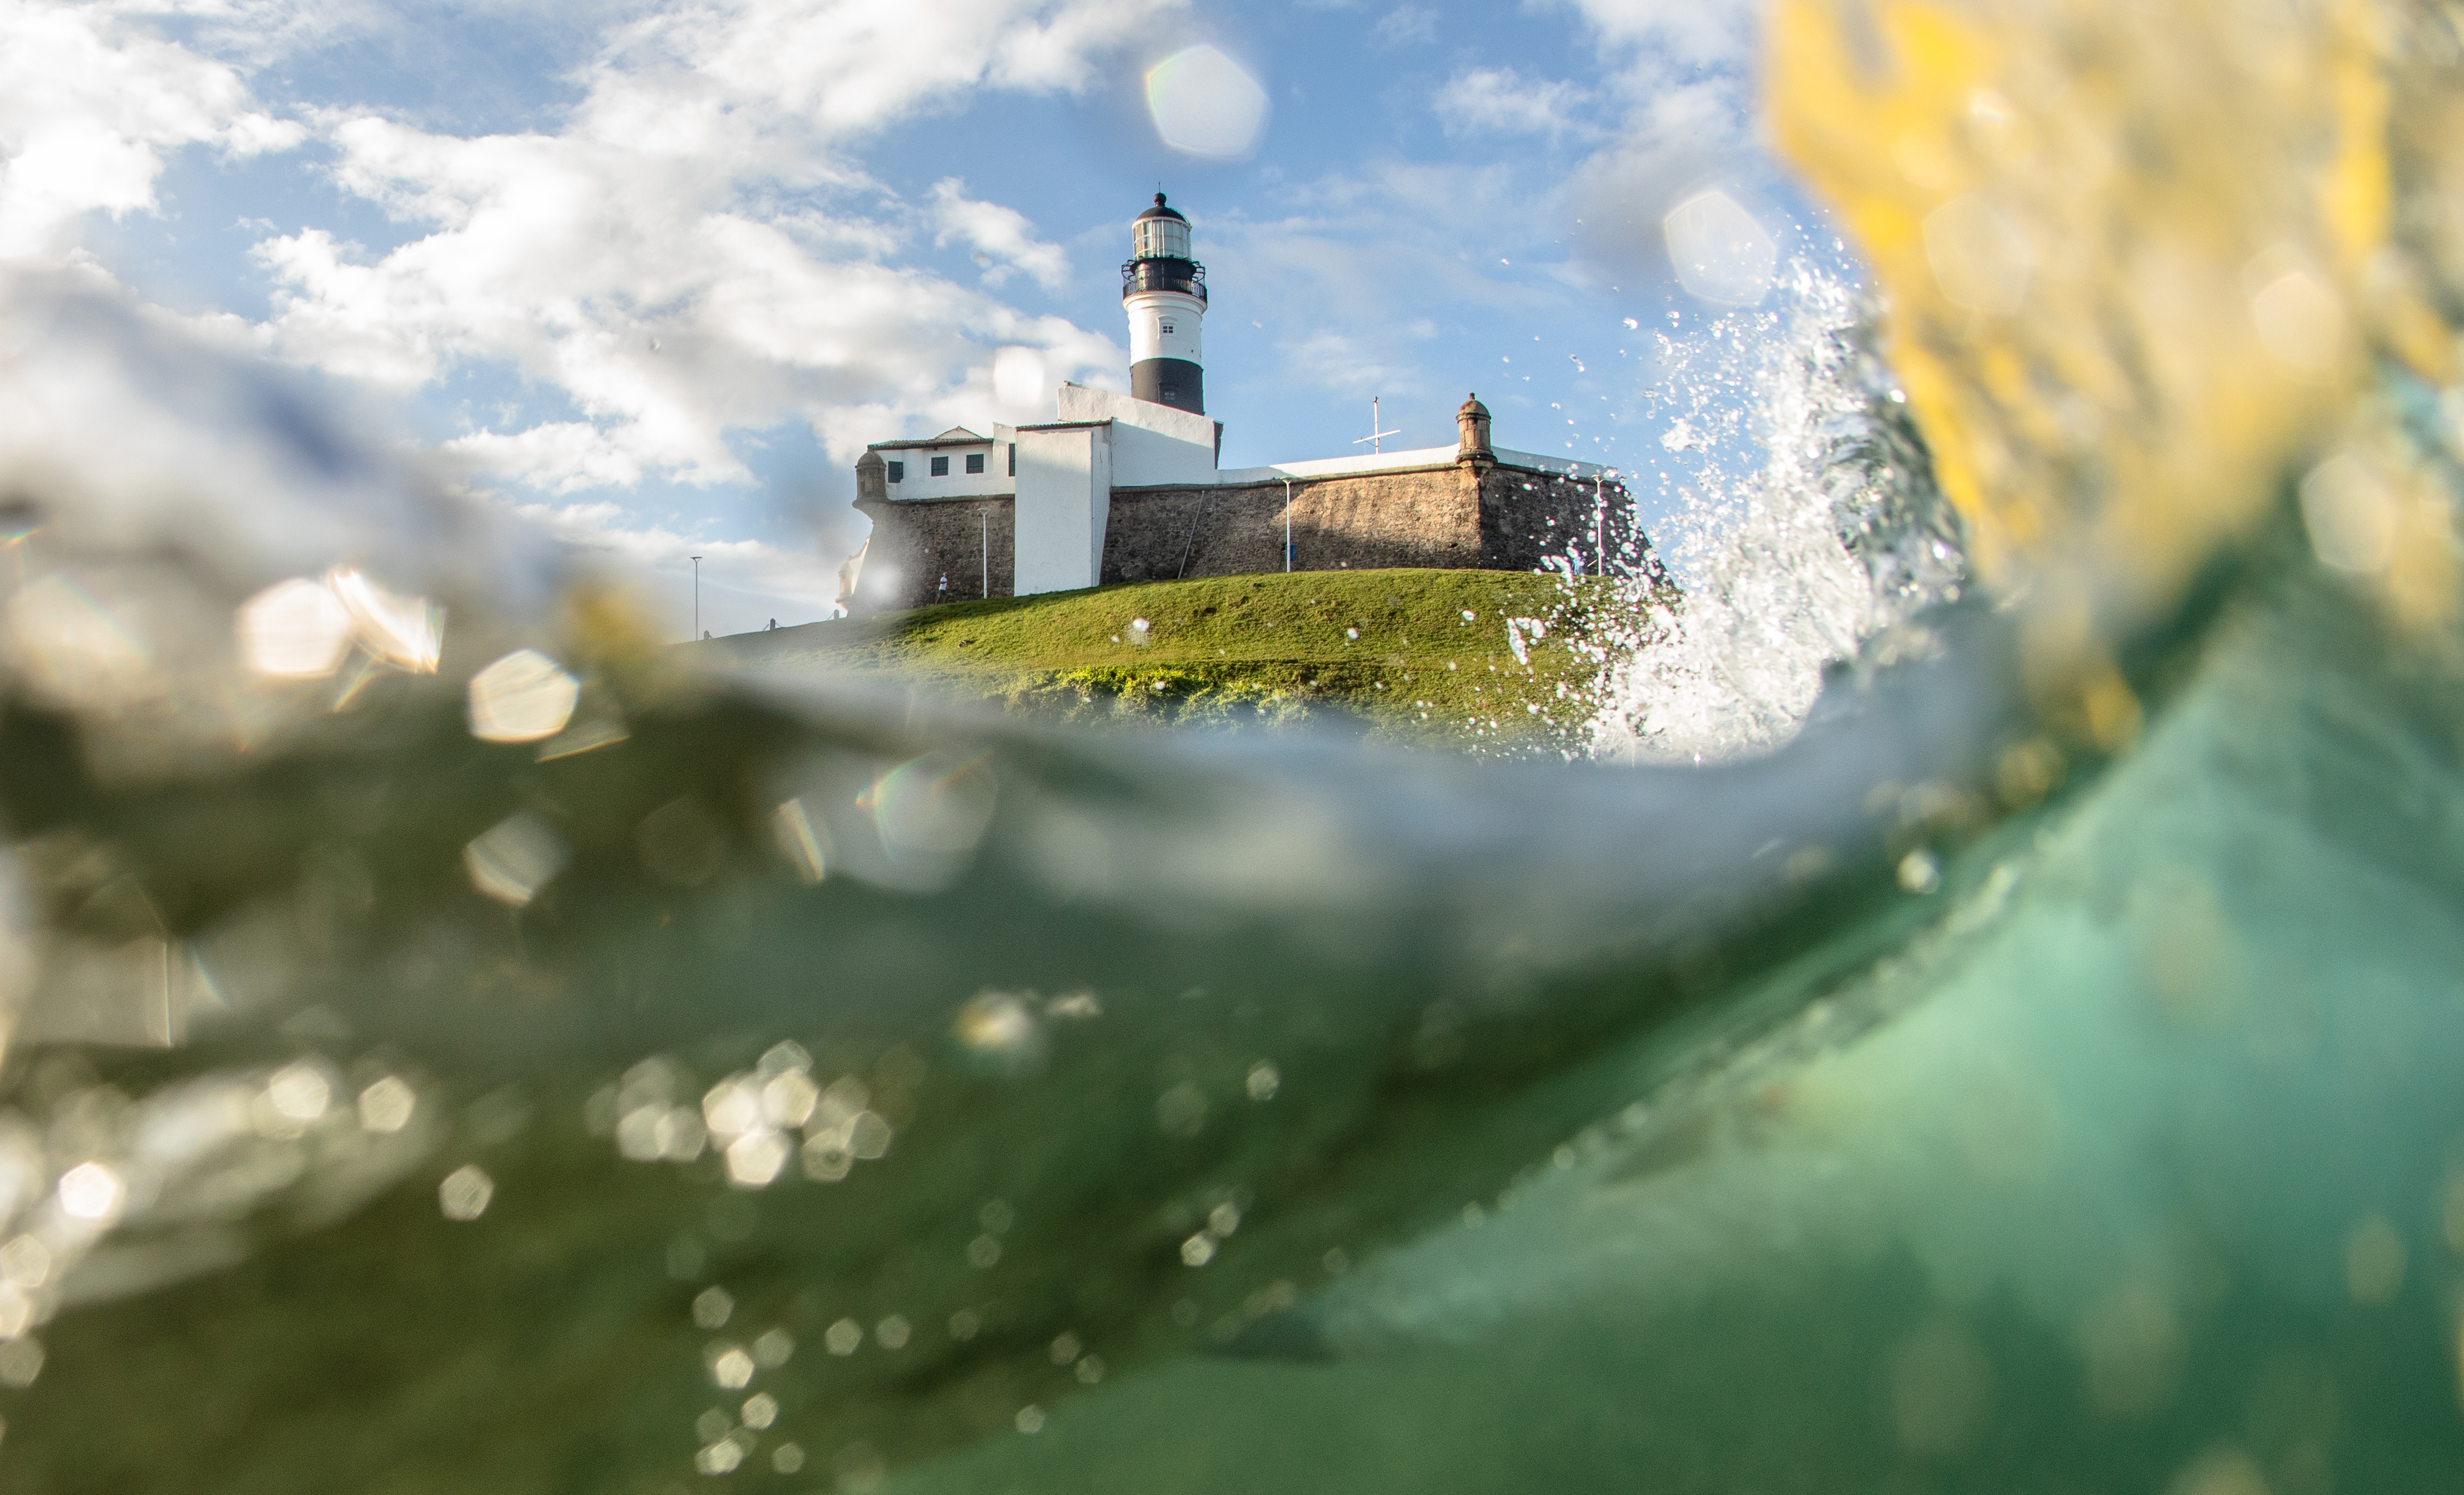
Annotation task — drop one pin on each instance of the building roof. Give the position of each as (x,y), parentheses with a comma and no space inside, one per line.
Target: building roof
(955,436)
(1407,461)
(1159,211)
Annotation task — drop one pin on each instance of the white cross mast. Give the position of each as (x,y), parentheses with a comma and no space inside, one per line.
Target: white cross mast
(1376,440)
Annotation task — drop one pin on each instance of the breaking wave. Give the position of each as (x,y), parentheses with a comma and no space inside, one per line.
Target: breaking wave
(1808,532)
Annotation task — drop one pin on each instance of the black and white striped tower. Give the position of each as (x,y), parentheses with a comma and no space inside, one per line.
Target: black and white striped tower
(1165,292)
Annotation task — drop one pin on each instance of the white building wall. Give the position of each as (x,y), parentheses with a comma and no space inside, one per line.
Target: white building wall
(1064,496)
(920,483)
(1151,443)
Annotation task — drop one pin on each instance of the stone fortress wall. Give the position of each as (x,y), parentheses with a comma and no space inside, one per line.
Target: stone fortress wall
(1486,517)
(1482,510)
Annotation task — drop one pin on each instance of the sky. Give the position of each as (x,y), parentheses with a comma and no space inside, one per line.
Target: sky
(653,275)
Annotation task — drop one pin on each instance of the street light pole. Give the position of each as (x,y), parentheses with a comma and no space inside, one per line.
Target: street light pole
(696,560)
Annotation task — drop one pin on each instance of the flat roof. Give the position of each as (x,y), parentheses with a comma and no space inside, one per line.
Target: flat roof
(1417,459)
(957,436)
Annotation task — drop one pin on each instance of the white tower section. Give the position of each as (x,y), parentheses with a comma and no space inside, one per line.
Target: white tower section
(1164,324)
(1165,289)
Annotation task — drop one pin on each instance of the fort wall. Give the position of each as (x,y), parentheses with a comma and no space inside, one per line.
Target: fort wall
(1464,515)
(938,550)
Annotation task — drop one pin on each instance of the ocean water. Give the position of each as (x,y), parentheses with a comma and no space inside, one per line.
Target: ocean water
(1986,1018)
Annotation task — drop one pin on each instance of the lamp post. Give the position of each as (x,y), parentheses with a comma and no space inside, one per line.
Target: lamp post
(697,633)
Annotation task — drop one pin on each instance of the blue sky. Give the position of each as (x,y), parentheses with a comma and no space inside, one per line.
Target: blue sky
(655,275)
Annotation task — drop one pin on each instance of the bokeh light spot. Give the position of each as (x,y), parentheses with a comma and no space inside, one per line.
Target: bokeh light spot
(522,698)
(465,1193)
(1721,253)
(1205,105)
(294,630)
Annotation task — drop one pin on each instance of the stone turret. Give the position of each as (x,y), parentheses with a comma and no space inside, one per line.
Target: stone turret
(1472,422)
(871,479)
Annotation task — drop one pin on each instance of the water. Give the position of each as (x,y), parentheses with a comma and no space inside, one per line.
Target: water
(2019,1057)
(1808,530)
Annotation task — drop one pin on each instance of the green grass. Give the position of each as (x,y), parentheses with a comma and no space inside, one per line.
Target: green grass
(1408,655)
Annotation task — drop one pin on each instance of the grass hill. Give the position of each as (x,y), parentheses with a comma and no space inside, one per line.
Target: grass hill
(1409,655)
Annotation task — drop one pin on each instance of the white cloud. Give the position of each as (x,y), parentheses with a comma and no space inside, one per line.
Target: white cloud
(1501,102)
(251,33)
(1404,26)
(1353,271)
(1694,33)
(695,252)
(90,106)
(1360,367)
(558,456)
(996,233)
(1686,138)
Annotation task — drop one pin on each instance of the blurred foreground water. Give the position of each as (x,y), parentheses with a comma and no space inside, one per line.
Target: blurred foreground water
(455,1045)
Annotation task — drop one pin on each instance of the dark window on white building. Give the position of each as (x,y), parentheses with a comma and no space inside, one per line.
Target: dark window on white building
(897,472)
(1013,459)
(1167,329)
(941,467)
(974,461)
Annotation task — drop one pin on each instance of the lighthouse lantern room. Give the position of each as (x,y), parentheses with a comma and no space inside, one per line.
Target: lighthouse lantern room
(1165,292)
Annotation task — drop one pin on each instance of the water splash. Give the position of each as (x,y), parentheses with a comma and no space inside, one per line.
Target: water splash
(1809,534)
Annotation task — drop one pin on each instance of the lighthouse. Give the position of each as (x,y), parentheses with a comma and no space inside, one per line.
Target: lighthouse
(1165,292)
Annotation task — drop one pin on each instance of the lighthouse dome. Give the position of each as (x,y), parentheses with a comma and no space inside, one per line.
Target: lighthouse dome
(1160,232)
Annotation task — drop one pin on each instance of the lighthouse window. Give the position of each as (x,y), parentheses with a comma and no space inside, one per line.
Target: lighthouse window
(941,467)
(897,472)
(1013,459)
(1167,329)
(974,461)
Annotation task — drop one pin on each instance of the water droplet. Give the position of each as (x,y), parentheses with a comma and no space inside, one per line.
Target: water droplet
(465,1193)
(514,858)
(90,1190)
(300,1092)
(522,698)
(1920,872)
(755,1160)
(386,1104)
(1181,1110)
(294,630)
